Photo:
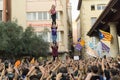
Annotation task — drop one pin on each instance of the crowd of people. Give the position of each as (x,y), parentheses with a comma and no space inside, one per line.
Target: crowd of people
(68,69)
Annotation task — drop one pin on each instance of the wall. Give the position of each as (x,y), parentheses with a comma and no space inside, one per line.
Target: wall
(18,12)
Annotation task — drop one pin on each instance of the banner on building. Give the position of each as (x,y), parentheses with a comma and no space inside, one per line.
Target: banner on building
(91,52)
(105,47)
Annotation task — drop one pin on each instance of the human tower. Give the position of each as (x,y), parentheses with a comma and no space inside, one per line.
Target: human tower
(54,27)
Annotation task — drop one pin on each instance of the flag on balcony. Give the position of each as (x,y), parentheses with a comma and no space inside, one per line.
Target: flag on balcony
(105,35)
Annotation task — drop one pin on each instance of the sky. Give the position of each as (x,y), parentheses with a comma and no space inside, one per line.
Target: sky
(75,12)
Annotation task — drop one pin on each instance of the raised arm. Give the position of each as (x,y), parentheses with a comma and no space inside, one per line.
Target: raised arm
(56,67)
(103,67)
(3,73)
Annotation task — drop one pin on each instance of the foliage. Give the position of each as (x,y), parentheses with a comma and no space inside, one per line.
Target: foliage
(14,41)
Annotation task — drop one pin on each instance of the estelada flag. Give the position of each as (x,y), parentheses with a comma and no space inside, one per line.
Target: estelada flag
(106,36)
(17,63)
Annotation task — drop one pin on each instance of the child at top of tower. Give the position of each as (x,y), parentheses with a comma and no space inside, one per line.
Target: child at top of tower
(54,31)
(53,13)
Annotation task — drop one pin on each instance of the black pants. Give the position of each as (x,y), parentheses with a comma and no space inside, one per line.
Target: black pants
(53,16)
(54,57)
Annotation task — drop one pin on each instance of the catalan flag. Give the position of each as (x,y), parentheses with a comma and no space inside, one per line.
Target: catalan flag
(105,35)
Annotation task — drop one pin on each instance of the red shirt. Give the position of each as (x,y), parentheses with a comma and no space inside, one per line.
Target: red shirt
(54,50)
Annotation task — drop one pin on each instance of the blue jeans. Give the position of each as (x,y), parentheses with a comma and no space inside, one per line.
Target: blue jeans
(54,37)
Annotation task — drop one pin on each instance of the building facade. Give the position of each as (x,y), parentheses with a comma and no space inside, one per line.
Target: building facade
(109,21)
(89,12)
(5,10)
(35,13)
(75,36)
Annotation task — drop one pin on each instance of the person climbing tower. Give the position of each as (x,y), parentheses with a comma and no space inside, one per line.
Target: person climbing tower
(54,31)
(53,13)
(54,47)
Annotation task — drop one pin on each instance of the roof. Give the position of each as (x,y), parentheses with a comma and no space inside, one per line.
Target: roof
(110,14)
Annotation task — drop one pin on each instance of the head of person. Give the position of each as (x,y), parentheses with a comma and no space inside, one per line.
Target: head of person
(115,78)
(54,43)
(53,6)
(64,72)
(94,69)
(104,56)
(53,23)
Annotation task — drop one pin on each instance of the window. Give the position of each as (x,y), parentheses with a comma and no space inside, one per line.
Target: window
(39,15)
(101,6)
(93,19)
(44,15)
(34,16)
(92,7)
(49,16)
(0,15)
(31,16)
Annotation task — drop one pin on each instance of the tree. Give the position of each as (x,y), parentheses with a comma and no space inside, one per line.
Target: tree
(15,41)
(34,44)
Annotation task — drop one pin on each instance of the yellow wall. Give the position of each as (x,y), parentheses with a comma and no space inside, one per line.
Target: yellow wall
(18,12)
